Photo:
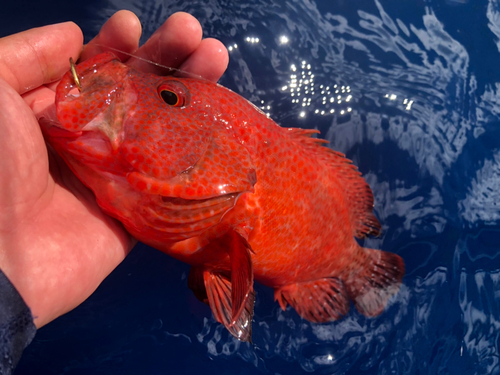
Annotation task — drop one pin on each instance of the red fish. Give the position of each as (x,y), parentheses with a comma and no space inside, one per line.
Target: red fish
(196,171)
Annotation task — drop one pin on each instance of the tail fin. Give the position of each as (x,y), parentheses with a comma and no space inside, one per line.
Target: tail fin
(381,278)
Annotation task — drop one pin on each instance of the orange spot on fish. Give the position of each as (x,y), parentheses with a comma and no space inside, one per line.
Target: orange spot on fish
(141,185)
(155,188)
(177,190)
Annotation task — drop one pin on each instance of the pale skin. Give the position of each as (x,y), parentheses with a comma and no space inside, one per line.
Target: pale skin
(56,245)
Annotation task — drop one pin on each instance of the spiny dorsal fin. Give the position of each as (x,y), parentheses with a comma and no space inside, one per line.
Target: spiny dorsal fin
(358,192)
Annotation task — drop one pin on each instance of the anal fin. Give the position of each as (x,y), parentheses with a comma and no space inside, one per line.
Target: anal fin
(371,288)
(318,301)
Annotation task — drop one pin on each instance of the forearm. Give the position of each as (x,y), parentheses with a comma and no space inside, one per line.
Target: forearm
(16,326)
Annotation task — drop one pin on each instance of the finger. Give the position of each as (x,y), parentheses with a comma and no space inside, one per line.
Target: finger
(209,60)
(122,32)
(38,56)
(171,44)
(41,101)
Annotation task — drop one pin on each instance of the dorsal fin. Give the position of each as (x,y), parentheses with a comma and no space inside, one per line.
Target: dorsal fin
(358,192)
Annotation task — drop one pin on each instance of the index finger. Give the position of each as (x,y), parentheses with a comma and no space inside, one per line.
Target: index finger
(35,57)
(177,38)
(121,32)
(178,44)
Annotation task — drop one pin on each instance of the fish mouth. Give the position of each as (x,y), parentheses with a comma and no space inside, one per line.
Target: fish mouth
(179,219)
(51,126)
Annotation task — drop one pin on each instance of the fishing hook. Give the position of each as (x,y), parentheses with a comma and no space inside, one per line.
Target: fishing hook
(75,76)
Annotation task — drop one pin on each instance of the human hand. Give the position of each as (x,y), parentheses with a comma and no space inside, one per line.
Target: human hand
(56,245)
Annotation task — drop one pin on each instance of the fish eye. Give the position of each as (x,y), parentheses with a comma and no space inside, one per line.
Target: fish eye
(171,97)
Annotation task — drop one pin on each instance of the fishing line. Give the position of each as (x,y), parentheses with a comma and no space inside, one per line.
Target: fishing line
(175,70)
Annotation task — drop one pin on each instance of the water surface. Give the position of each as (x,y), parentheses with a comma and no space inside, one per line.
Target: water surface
(410,92)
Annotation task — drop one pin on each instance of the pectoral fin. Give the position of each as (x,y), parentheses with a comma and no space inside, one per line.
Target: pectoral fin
(219,290)
(229,294)
(241,273)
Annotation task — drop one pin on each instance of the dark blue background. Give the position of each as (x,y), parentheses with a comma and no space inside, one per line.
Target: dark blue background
(434,168)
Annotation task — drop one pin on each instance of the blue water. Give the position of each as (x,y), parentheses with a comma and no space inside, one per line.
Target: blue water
(415,91)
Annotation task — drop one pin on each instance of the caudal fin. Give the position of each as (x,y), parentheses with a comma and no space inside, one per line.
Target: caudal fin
(381,278)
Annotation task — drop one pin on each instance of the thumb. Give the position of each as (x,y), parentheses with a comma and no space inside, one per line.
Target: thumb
(24,162)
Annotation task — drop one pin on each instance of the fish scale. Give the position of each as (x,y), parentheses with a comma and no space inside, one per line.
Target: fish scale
(198,172)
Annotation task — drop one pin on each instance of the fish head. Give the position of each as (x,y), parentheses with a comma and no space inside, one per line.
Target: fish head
(163,131)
